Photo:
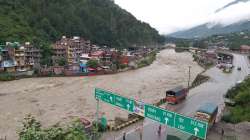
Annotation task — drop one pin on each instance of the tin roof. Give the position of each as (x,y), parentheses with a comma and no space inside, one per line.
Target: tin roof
(97,53)
(177,89)
(208,108)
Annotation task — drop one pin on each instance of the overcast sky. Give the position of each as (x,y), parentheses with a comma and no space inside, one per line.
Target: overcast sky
(172,15)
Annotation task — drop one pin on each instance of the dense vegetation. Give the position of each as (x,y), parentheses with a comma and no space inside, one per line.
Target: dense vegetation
(179,42)
(45,21)
(232,40)
(147,60)
(6,77)
(32,130)
(241,96)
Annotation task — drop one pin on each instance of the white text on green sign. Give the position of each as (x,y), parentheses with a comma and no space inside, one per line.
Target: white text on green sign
(160,115)
(114,99)
(191,126)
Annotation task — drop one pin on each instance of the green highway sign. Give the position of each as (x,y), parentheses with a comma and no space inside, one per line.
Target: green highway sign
(186,124)
(192,126)
(105,96)
(160,115)
(114,99)
(180,122)
(124,103)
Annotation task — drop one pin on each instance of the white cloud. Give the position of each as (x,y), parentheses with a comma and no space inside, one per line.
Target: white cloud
(232,14)
(172,15)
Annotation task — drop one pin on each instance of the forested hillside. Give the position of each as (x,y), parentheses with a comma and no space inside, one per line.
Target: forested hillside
(45,21)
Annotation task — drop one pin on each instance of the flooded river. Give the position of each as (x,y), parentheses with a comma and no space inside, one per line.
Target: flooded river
(53,100)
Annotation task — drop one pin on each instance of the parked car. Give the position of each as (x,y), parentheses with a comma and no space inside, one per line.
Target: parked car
(239,68)
(176,95)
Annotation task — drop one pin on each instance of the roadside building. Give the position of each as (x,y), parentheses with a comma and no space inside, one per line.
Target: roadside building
(70,49)
(84,58)
(245,49)
(9,65)
(32,56)
(20,58)
(60,50)
(1,59)
(124,59)
(97,55)
(107,58)
(211,54)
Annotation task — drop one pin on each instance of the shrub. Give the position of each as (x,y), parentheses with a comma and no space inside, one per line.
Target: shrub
(32,130)
(7,77)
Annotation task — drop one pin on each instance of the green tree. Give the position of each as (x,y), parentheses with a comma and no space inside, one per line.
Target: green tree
(32,130)
(92,63)
(62,62)
(101,21)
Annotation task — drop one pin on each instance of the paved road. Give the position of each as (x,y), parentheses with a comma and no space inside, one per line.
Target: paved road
(211,91)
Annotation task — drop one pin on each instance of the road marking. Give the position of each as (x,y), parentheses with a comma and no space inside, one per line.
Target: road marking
(196,130)
(166,120)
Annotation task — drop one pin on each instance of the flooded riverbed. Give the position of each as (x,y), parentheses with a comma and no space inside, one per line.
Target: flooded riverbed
(53,100)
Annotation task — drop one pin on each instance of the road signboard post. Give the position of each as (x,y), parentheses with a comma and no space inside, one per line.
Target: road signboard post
(105,96)
(114,99)
(160,115)
(124,103)
(190,125)
(175,120)
(186,124)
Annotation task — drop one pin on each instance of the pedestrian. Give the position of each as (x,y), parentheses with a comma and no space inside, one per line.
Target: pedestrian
(222,133)
(159,130)
(141,135)
(124,136)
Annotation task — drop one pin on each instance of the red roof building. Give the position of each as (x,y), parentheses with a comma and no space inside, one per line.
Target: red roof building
(245,49)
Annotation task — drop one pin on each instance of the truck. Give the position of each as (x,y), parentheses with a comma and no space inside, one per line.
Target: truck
(208,113)
(176,95)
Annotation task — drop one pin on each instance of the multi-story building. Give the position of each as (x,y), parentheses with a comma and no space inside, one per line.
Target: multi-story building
(70,49)
(20,58)
(32,55)
(16,57)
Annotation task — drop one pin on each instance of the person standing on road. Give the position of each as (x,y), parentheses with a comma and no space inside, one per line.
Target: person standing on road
(140,135)
(159,130)
(222,133)
(124,136)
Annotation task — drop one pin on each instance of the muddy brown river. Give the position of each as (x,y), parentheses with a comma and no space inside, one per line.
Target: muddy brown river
(53,100)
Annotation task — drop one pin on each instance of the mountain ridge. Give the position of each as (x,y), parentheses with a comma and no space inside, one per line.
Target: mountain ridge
(204,30)
(101,21)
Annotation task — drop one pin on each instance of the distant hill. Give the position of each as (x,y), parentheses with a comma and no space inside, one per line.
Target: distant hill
(205,31)
(45,21)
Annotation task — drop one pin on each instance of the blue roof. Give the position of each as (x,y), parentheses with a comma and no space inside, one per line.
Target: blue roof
(177,89)
(8,63)
(208,108)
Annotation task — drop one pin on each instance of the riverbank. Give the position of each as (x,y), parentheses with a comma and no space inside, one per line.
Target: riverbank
(133,65)
(58,99)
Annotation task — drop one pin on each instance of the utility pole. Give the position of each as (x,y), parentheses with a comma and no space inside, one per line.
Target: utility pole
(97,111)
(189,75)
(97,120)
